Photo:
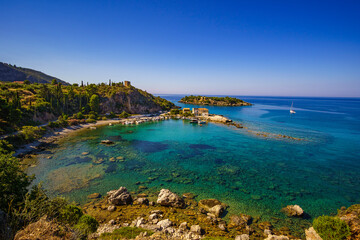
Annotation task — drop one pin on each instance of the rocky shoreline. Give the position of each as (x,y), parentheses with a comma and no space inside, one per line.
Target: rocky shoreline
(170,216)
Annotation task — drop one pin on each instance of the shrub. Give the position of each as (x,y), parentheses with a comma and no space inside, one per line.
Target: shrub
(70,214)
(30,133)
(92,116)
(112,115)
(5,147)
(174,111)
(13,181)
(331,228)
(90,121)
(104,118)
(54,124)
(87,224)
(79,115)
(124,115)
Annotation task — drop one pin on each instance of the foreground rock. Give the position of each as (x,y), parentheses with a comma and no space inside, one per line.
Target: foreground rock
(45,229)
(275,237)
(212,206)
(311,234)
(119,197)
(351,216)
(240,221)
(293,210)
(170,199)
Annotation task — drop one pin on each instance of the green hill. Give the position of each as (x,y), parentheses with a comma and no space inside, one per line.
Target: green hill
(12,73)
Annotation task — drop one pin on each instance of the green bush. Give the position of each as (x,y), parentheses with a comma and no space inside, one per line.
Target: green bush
(90,121)
(54,124)
(124,115)
(79,115)
(125,232)
(331,228)
(174,111)
(30,133)
(87,224)
(5,147)
(13,181)
(92,116)
(71,214)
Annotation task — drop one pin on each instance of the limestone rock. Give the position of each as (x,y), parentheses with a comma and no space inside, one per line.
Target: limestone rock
(183,226)
(311,234)
(168,198)
(276,237)
(196,229)
(217,210)
(119,197)
(242,237)
(293,210)
(45,229)
(165,223)
(351,216)
(142,201)
(111,208)
(241,220)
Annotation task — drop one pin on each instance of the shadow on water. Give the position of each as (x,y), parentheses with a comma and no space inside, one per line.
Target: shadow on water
(201,146)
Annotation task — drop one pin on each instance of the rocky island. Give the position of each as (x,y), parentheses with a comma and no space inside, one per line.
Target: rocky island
(214,101)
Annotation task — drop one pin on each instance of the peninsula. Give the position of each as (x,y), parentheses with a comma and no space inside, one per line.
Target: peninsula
(214,101)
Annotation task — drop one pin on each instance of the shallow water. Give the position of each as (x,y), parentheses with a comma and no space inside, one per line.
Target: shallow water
(254,175)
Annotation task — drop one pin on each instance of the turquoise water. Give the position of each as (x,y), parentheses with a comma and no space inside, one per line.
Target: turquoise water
(254,175)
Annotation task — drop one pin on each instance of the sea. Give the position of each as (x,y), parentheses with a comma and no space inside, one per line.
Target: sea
(254,170)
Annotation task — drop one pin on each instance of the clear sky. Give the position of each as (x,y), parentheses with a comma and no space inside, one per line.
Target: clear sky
(280,48)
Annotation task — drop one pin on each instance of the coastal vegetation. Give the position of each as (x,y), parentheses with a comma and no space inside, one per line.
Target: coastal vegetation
(214,101)
(330,228)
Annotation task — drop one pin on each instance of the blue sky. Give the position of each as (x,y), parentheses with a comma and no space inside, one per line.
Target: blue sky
(281,48)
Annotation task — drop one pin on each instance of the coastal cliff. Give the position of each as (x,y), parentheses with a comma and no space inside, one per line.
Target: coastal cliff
(214,101)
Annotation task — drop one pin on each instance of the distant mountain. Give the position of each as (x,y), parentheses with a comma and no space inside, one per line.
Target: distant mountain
(12,73)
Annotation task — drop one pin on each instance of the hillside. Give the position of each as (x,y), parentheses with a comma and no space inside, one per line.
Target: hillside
(214,101)
(34,104)
(12,73)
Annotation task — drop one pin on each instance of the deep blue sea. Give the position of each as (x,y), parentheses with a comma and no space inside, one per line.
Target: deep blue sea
(253,174)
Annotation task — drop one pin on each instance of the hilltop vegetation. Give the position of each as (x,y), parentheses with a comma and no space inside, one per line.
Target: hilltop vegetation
(12,73)
(214,101)
(33,104)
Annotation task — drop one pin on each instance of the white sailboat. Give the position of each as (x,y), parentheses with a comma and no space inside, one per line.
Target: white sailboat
(291,108)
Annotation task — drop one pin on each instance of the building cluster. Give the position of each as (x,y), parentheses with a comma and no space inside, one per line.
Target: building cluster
(198,112)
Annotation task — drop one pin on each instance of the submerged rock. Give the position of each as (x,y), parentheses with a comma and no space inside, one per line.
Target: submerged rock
(168,198)
(107,141)
(293,210)
(142,201)
(94,196)
(241,220)
(119,197)
(213,206)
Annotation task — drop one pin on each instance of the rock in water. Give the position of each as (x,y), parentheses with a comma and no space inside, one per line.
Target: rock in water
(311,234)
(212,206)
(94,195)
(168,198)
(119,197)
(293,210)
(107,142)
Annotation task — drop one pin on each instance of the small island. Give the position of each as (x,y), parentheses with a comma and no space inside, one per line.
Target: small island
(214,101)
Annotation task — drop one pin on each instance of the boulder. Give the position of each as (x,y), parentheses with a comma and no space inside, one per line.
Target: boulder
(168,198)
(119,197)
(276,237)
(311,234)
(164,223)
(242,237)
(241,220)
(351,216)
(293,210)
(111,208)
(183,226)
(196,229)
(45,229)
(142,201)
(212,206)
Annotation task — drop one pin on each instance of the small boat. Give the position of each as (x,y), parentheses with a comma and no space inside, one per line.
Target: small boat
(193,121)
(291,108)
(201,122)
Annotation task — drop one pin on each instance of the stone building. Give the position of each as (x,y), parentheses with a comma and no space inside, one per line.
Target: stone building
(200,112)
(127,83)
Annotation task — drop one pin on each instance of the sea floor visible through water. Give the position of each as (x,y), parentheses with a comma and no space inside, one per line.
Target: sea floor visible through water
(252,174)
